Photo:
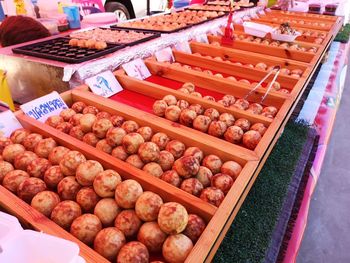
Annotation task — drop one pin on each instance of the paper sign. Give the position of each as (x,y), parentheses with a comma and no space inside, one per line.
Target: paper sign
(183,47)
(42,108)
(8,123)
(165,55)
(104,84)
(202,38)
(137,69)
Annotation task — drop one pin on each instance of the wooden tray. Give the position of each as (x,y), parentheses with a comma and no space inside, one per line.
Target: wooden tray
(304,15)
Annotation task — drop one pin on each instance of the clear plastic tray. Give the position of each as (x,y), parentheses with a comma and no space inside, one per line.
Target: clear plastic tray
(256,29)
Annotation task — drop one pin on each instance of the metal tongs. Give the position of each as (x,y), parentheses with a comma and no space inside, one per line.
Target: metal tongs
(278,68)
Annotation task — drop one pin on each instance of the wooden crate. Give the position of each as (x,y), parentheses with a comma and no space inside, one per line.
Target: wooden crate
(304,15)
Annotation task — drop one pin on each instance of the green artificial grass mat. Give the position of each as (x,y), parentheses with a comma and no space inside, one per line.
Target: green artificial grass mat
(250,235)
(343,35)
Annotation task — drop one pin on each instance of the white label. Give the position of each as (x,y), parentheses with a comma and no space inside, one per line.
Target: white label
(183,47)
(104,84)
(165,55)
(137,69)
(42,108)
(8,123)
(202,38)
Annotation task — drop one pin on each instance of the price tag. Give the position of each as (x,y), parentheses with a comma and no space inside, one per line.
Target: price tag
(202,38)
(183,47)
(137,69)
(165,55)
(42,108)
(8,123)
(104,84)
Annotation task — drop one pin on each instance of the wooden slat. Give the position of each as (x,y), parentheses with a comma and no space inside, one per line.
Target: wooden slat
(316,17)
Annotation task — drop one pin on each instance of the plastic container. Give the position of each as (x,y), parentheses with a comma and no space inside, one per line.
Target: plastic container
(50,24)
(100,18)
(256,29)
(284,37)
(181,3)
(73,16)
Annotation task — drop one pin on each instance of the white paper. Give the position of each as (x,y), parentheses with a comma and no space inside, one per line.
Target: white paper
(165,55)
(44,107)
(183,46)
(104,84)
(137,69)
(8,123)
(202,38)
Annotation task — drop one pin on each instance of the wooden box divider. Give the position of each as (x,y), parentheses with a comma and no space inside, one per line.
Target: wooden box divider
(316,17)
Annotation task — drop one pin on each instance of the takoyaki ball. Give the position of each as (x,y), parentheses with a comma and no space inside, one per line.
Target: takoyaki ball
(91,139)
(13,179)
(29,188)
(244,124)
(147,206)
(285,91)
(153,169)
(176,248)
(78,106)
(255,108)
(170,100)
(172,113)
(182,104)
(103,115)
(261,66)
(77,132)
(172,218)
(120,153)
(202,123)
(217,128)
(189,86)
(213,196)
(108,242)
(115,135)
(5,167)
(161,139)
(223,182)
(192,186)
(71,161)
(204,176)
(251,139)
(19,135)
(53,176)
(197,108)
(106,182)
(103,145)
(196,94)
(87,172)
(209,98)
(208,72)
(107,210)
(11,151)
(227,118)
(75,120)
(86,228)
(87,199)
(218,75)
(87,121)
(149,152)
(65,213)
(128,222)
(275,86)
(100,127)
(245,81)
(64,127)
(195,227)
(285,71)
(4,141)
(45,202)
(176,148)
(187,117)
(195,152)
(183,90)
(242,103)
(68,188)
(172,178)
(23,159)
(232,169)
(133,252)
(229,99)
(259,127)
(212,162)
(117,120)
(234,134)
(38,167)
(151,236)
(159,107)
(270,110)
(127,192)
(186,166)
(53,121)
(231,78)
(90,110)
(296,72)
(213,114)
(67,114)
(135,161)
(265,42)
(166,160)
(146,132)
(131,142)
(130,126)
